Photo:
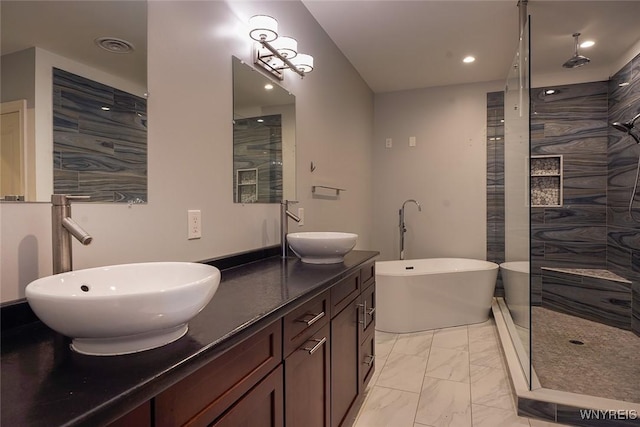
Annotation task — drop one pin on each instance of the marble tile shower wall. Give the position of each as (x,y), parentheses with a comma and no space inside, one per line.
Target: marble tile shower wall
(98,152)
(495,182)
(572,122)
(623,234)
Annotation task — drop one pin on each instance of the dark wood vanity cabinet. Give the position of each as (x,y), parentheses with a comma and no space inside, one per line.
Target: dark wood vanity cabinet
(352,343)
(308,368)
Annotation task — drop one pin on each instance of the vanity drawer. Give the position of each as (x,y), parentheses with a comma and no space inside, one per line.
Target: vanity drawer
(367,311)
(343,292)
(367,357)
(301,323)
(368,274)
(204,395)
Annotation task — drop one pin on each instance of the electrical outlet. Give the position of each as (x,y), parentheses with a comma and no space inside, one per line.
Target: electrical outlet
(412,141)
(301,216)
(194,218)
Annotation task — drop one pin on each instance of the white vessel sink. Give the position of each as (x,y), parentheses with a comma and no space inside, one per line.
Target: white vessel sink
(124,308)
(321,247)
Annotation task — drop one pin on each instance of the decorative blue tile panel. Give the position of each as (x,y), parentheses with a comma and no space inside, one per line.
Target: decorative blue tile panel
(100,140)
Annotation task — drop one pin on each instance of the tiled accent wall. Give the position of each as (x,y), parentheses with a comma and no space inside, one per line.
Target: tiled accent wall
(592,228)
(573,122)
(495,182)
(259,145)
(98,152)
(623,234)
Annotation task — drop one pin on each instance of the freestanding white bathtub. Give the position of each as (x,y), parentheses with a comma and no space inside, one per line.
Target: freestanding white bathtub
(422,294)
(515,278)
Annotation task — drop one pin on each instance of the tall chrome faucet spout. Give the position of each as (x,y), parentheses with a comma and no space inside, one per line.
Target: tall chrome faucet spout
(403,229)
(285,214)
(63,227)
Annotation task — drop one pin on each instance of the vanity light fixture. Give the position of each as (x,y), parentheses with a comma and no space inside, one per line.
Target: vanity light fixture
(276,54)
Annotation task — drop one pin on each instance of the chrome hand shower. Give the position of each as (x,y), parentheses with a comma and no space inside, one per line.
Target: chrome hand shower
(403,229)
(628,128)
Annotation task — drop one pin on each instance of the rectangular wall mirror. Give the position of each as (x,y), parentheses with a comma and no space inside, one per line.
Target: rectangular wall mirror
(263,138)
(73,88)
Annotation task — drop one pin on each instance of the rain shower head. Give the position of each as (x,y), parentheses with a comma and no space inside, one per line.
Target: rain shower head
(576,60)
(627,127)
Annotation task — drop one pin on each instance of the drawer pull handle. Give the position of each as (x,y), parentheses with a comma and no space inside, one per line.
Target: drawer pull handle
(319,344)
(363,322)
(365,311)
(370,360)
(313,320)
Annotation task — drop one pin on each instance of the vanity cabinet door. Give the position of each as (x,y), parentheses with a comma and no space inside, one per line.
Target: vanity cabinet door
(344,363)
(306,379)
(261,407)
(139,417)
(204,396)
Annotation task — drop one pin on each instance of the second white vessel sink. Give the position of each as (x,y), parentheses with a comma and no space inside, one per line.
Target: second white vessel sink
(322,247)
(123,308)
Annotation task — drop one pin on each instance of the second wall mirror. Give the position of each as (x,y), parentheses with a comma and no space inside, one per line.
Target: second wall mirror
(263,138)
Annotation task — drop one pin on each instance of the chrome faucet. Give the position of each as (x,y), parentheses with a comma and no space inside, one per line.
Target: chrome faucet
(285,214)
(63,228)
(403,229)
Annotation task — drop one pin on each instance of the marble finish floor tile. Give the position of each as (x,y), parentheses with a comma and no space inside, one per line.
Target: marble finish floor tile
(491,387)
(384,343)
(403,372)
(448,364)
(444,404)
(456,338)
(395,399)
(387,407)
(416,344)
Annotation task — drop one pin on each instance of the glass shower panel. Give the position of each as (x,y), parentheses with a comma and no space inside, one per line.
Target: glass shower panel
(517,203)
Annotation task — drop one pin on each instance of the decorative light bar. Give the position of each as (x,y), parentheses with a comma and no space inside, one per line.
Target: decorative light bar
(276,54)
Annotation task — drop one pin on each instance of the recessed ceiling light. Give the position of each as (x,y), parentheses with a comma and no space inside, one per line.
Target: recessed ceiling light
(268,86)
(105,108)
(587,43)
(260,120)
(468,59)
(550,91)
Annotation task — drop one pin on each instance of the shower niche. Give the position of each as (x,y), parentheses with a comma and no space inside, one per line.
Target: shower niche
(546,181)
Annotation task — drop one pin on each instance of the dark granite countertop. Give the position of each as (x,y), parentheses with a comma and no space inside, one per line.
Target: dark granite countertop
(44,383)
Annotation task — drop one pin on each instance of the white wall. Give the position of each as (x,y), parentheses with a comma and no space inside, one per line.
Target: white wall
(445,171)
(190,150)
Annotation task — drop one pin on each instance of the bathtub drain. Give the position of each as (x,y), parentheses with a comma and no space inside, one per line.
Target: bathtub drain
(576,342)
